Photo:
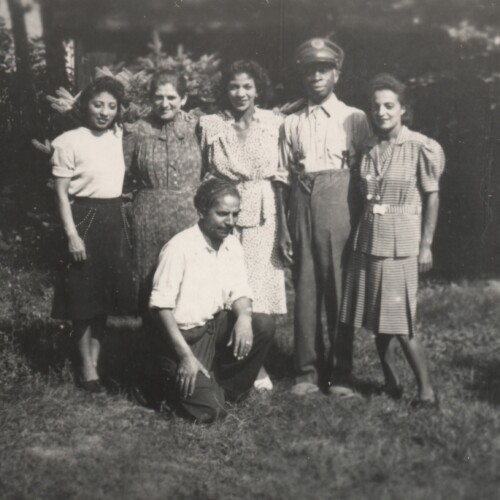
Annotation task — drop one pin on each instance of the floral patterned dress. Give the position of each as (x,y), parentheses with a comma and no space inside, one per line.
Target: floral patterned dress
(164,162)
(252,164)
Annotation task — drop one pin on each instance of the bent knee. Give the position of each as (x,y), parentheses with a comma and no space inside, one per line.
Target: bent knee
(264,325)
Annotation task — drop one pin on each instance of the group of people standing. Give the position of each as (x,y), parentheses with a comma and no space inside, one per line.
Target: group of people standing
(352,209)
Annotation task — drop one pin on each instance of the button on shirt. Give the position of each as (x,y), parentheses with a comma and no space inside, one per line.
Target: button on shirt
(197,281)
(408,169)
(322,137)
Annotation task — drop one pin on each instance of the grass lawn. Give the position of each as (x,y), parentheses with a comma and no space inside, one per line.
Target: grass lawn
(59,443)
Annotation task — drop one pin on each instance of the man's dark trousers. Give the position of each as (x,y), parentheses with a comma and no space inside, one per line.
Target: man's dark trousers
(320,228)
(230,378)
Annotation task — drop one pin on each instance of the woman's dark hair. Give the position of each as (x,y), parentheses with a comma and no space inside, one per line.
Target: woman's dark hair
(252,69)
(386,81)
(103,84)
(164,76)
(210,191)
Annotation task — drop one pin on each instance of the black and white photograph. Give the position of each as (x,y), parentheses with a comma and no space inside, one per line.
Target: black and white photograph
(249,249)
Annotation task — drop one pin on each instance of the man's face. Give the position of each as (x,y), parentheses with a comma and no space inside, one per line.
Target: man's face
(319,80)
(219,221)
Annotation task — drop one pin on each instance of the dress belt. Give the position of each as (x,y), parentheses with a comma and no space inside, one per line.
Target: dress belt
(383,209)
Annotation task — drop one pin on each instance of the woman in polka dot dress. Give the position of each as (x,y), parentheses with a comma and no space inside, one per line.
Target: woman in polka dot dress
(241,144)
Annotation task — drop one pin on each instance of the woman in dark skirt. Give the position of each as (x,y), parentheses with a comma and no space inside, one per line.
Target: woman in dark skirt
(88,167)
(399,178)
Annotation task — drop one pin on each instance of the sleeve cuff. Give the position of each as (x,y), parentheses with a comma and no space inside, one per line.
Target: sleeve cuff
(62,172)
(161,301)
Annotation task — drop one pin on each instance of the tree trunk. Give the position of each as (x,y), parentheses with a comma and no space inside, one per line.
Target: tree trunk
(24,95)
(54,49)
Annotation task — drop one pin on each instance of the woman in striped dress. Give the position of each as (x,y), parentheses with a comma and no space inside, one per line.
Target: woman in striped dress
(399,180)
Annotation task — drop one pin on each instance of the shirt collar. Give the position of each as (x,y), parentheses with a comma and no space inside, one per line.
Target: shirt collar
(329,106)
(403,136)
(177,125)
(257,116)
(203,243)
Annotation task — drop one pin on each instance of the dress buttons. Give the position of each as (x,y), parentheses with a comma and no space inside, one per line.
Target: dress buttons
(369,196)
(368,177)
(377,197)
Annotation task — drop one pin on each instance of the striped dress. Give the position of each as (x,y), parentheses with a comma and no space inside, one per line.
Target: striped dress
(382,279)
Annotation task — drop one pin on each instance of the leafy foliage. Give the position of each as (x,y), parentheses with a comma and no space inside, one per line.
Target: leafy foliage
(201,75)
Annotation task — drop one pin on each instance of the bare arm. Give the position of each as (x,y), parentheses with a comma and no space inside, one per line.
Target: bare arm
(430,216)
(76,246)
(242,334)
(189,366)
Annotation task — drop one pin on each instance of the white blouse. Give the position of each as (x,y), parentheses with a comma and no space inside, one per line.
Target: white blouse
(94,163)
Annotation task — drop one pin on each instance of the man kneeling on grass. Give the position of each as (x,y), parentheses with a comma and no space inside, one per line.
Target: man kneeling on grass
(211,345)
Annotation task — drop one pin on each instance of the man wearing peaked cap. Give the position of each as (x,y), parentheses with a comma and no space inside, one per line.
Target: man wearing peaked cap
(320,145)
(319,50)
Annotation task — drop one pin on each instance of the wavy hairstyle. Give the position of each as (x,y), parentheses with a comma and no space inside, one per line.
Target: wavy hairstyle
(211,190)
(102,84)
(386,81)
(176,79)
(255,71)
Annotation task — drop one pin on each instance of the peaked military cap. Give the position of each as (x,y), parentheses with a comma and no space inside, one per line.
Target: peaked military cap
(319,50)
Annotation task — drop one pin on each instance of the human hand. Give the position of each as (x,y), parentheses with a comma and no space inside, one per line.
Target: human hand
(187,371)
(76,248)
(242,336)
(425,259)
(285,246)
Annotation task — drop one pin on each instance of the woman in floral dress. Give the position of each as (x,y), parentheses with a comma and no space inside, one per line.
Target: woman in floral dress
(164,171)
(241,144)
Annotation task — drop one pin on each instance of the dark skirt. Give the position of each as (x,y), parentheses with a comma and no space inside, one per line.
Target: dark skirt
(103,284)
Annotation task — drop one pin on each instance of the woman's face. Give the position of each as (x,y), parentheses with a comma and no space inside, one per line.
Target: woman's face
(167,102)
(102,111)
(387,111)
(242,92)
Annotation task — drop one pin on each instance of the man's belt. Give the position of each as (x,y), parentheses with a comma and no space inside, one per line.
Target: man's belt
(383,209)
(306,179)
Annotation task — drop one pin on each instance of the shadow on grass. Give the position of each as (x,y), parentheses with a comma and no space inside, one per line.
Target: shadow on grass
(279,364)
(128,362)
(47,346)
(126,356)
(485,382)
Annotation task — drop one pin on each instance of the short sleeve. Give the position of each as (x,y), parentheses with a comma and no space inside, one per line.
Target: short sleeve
(362,132)
(63,158)
(431,163)
(130,133)
(168,278)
